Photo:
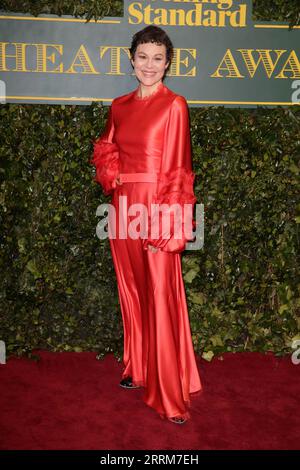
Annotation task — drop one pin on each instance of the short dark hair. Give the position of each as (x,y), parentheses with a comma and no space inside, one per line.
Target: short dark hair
(156,35)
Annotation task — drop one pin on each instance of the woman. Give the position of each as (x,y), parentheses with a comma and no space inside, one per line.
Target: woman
(144,155)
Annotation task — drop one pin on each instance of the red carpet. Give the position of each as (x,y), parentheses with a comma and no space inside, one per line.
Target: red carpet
(73,401)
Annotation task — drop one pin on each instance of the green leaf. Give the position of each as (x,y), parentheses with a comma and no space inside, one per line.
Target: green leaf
(190,275)
(208,355)
(283,308)
(31,266)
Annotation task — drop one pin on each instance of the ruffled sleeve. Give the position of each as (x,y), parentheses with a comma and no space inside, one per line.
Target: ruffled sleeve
(106,157)
(174,186)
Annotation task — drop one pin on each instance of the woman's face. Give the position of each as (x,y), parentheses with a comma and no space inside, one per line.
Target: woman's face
(150,62)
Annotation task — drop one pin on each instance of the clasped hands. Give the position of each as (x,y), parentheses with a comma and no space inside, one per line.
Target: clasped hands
(150,247)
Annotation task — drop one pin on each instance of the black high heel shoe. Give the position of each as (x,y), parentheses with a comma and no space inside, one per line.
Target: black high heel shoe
(177,420)
(127,383)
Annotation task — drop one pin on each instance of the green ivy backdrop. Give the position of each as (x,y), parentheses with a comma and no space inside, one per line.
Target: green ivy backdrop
(58,285)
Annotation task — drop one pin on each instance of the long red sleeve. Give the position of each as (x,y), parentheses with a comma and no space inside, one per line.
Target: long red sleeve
(175,181)
(106,157)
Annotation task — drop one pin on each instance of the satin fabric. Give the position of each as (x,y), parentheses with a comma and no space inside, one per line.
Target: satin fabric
(151,135)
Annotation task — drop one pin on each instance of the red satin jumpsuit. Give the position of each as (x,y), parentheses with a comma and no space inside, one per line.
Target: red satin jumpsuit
(146,143)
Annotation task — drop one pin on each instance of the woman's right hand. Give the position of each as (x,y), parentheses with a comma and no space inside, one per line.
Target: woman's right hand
(153,249)
(118,180)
